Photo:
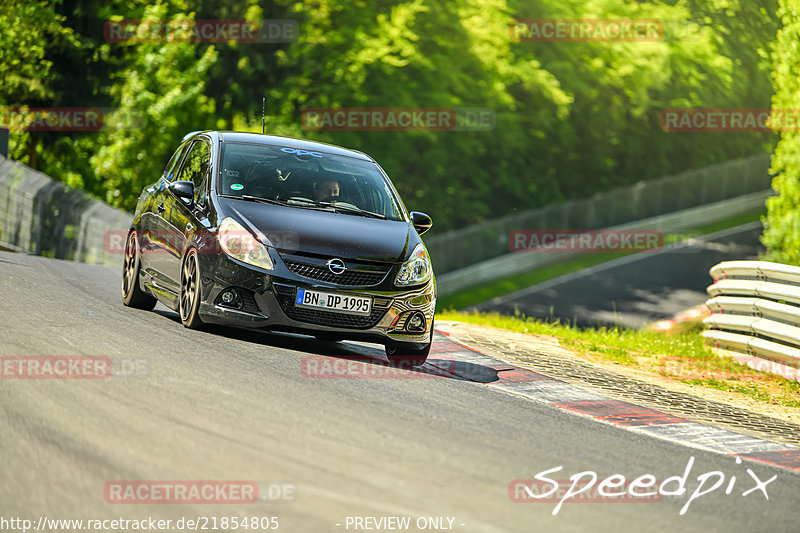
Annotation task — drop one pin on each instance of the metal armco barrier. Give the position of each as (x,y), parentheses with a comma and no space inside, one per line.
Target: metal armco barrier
(41,216)
(460,249)
(755,308)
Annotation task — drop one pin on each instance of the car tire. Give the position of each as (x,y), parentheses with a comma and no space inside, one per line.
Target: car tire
(189,298)
(132,293)
(404,355)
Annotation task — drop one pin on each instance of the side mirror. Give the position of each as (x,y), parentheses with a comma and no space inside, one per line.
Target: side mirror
(421,222)
(183,190)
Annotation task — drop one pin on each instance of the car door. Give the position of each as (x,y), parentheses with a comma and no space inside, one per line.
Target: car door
(150,243)
(179,217)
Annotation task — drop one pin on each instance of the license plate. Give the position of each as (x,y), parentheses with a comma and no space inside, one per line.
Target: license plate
(356,305)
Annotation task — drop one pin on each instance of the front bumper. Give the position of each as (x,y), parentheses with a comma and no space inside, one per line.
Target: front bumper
(268,301)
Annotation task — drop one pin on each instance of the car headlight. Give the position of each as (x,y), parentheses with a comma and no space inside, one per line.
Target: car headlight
(416,270)
(240,244)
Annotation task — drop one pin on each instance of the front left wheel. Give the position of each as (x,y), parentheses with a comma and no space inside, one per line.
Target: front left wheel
(404,355)
(132,293)
(189,301)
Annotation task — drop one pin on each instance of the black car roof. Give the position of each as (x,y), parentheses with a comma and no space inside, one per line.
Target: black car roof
(277,140)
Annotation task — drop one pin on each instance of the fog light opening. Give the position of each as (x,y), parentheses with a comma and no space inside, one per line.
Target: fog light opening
(416,323)
(230,298)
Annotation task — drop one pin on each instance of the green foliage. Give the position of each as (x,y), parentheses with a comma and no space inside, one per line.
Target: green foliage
(782,223)
(159,94)
(572,118)
(27,28)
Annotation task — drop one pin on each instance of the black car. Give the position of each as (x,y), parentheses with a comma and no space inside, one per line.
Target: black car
(254,230)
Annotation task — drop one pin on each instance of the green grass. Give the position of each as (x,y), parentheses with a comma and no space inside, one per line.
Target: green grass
(748,390)
(491,290)
(680,356)
(476,295)
(617,342)
(731,222)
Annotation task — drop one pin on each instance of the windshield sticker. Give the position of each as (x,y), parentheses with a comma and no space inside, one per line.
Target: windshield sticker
(298,152)
(237,186)
(232,173)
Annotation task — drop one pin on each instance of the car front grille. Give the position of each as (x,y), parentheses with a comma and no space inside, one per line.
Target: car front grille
(329,318)
(349,278)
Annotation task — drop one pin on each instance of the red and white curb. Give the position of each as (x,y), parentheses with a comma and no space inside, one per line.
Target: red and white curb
(694,314)
(475,366)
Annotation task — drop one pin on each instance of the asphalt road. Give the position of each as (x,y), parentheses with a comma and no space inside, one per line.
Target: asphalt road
(634,290)
(234,405)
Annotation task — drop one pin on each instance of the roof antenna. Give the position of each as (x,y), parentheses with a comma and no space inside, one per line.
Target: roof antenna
(263,116)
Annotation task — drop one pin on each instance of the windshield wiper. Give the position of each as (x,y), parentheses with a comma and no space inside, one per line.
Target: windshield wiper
(259,199)
(310,204)
(253,198)
(351,209)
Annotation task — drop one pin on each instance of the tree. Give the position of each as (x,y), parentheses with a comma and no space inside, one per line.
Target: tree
(160,96)
(782,223)
(29,29)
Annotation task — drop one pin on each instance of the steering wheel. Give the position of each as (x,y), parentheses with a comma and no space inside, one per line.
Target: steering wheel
(331,199)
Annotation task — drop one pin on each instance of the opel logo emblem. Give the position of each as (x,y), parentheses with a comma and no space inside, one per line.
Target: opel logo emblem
(336,266)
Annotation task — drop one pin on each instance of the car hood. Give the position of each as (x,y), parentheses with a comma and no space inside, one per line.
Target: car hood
(324,233)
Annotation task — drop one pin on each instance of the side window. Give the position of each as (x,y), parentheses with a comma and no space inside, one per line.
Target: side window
(201,192)
(195,164)
(172,166)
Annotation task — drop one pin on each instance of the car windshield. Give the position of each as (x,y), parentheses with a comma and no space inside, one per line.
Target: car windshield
(306,179)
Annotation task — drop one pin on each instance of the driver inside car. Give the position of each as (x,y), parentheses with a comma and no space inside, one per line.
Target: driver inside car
(327,189)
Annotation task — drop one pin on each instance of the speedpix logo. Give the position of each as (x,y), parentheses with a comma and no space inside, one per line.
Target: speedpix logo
(643,488)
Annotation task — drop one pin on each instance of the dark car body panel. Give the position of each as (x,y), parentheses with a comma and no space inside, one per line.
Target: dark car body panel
(327,233)
(299,241)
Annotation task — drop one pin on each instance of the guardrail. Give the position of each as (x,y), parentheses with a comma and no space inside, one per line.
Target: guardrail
(755,310)
(517,263)
(42,216)
(461,248)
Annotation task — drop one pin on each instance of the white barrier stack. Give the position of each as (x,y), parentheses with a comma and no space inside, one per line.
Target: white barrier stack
(755,310)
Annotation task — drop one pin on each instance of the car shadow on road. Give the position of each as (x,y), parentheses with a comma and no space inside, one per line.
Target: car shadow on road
(350,359)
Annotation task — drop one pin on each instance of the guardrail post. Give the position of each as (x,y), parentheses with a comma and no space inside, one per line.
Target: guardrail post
(4,136)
